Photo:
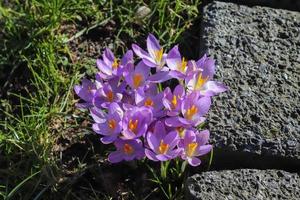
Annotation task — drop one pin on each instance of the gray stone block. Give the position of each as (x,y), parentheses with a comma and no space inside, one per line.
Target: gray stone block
(284,4)
(244,184)
(257,51)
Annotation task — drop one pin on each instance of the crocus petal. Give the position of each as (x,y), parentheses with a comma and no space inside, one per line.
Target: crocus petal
(172,139)
(101,129)
(115,108)
(177,74)
(139,51)
(204,150)
(176,122)
(179,90)
(115,157)
(208,67)
(152,45)
(159,129)
(173,58)
(212,88)
(127,58)
(163,157)
(204,104)
(77,89)
(189,137)
(150,155)
(83,105)
(108,139)
(194,161)
(104,68)
(98,115)
(160,76)
(149,62)
(152,140)
(142,69)
(108,57)
(203,137)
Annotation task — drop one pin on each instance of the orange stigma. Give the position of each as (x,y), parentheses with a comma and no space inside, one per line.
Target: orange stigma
(174,101)
(115,64)
(182,65)
(191,148)
(163,147)
(128,149)
(149,102)
(180,131)
(110,96)
(191,112)
(159,55)
(112,124)
(132,125)
(200,81)
(137,80)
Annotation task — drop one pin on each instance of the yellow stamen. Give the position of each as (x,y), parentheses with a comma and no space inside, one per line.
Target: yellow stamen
(182,65)
(180,131)
(137,79)
(200,81)
(112,124)
(115,64)
(191,149)
(174,102)
(128,149)
(159,55)
(149,102)
(191,112)
(163,147)
(132,125)
(110,96)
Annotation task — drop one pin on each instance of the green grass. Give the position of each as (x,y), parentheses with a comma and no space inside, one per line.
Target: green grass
(38,72)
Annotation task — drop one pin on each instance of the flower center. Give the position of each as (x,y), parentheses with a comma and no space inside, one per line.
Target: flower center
(112,124)
(110,96)
(132,125)
(137,79)
(200,81)
(115,64)
(191,148)
(191,112)
(182,65)
(159,54)
(174,101)
(149,102)
(163,147)
(128,149)
(180,131)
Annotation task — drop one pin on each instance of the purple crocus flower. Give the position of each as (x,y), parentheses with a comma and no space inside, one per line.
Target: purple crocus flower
(194,144)
(178,65)
(200,79)
(109,125)
(173,101)
(137,77)
(126,150)
(193,109)
(136,121)
(86,92)
(155,56)
(110,91)
(151,99)
(162,145)
(110,67)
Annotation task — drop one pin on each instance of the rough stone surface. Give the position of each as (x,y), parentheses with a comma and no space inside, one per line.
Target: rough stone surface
(284,4)
(257,51)
(248,184)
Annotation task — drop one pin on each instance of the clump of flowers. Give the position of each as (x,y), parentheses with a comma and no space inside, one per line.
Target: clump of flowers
(131,110)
